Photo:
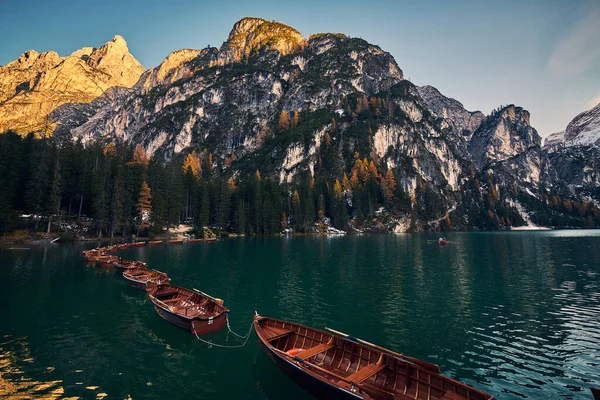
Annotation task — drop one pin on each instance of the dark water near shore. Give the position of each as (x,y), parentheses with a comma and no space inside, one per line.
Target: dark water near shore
(515,314)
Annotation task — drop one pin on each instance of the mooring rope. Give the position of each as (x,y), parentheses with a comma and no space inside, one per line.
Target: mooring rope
(239,336)
(227,346)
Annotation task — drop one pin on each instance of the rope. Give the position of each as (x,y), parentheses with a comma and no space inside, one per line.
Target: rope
(239,336)
(226,346)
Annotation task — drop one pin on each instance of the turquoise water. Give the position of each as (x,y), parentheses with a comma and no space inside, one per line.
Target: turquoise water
(515,314)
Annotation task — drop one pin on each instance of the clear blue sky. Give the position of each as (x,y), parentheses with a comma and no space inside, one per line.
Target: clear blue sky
(543,55)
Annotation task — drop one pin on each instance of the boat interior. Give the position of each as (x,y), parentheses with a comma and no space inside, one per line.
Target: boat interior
(139,273)
(187,303)
(351,365)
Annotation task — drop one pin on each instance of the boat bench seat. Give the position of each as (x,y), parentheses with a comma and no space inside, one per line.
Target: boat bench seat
(313,351)
(365,373)
(170,301)
(272,333)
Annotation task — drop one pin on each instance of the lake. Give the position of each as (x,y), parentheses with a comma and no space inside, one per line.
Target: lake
(516,314)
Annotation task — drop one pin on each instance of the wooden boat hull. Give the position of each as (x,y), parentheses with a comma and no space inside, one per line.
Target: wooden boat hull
(316,387)
(336,366)
(194,325)
(143,284)
(106,263)
(154,242)
(192,310)
(194,240)
(175,241)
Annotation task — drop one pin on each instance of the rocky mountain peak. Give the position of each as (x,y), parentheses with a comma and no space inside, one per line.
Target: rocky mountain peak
(464,122)
(26,60)
(35,84)
(83,53)
(504,134)
(585,128)
(254,34)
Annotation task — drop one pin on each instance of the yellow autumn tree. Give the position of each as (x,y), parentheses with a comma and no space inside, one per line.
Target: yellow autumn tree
(191,164)
(346,183)
(231,184)
(258,175)
(109,149)
(284,121)
(296,118)
(389,185)
(337,189)
(139,157)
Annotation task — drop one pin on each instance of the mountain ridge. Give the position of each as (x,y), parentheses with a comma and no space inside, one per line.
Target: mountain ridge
(288,108)
(35,84)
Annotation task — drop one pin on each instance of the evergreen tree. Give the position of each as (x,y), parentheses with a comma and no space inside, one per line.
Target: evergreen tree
(144,208)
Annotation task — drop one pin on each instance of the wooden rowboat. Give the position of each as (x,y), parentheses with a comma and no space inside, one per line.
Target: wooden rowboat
(191,310)
(140,278)
(130,264)
(210,239)
(106,261)
(90,255)
(138,244)
(338,366)
(194,240)
(176,241)
(154,242)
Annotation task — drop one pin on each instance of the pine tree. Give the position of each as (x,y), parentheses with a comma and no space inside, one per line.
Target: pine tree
(54,198)
(144,207)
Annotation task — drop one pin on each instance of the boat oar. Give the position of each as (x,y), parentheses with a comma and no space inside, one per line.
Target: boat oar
(216,300)
(429,366)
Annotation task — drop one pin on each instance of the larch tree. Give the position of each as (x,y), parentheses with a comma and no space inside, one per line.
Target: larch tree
(284,121)
(389,186)
(337,189)
(191,164)
(296,118)
(139,157)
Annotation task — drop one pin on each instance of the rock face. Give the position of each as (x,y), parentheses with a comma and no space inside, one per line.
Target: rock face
(503,135)
(205,96)
(463,121)
(575,153)
(345,101)
(35,84)
(583,130)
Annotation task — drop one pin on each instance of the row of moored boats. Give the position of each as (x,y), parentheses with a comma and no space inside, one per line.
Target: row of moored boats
(329,364)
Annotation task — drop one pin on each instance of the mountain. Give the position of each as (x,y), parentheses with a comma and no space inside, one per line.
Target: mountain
(464,122)
(583,130)
(506,141)
(35,84)
(575,153)
(326,111)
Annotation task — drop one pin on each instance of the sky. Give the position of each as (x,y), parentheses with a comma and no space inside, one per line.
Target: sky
(542,55)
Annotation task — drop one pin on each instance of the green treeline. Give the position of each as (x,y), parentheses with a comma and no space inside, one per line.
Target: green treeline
(125,193)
